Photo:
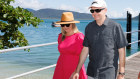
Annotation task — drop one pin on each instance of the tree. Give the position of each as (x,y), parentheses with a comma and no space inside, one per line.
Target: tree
(11,19)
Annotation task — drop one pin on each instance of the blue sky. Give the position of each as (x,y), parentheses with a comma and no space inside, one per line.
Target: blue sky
(116,8)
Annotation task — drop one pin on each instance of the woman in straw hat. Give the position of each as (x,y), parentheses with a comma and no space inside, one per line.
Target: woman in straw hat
(69,45)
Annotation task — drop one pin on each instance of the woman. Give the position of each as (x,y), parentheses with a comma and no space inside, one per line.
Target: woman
(69,45)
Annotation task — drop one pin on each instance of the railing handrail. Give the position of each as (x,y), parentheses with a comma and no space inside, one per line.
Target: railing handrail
(36,70)
(133,31)
(134,42)
(26,47)
(40,45)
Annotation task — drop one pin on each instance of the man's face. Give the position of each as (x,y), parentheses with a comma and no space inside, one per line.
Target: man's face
(98,12)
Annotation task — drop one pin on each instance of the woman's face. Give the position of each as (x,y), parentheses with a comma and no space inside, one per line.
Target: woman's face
(66,27)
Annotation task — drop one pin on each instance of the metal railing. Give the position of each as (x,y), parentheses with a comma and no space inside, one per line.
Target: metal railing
(33,71)
(133,32)
(40,45)
(27,47)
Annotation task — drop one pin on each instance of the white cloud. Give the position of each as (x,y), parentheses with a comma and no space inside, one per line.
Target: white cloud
(36,4)
(85,10)
(111,14)
(33,4)
(68,7)
(115,14)
(134,13)
(72,8)
(123,14)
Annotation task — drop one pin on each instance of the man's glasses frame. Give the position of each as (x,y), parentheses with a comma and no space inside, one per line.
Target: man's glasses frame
(96,10)
(67,25)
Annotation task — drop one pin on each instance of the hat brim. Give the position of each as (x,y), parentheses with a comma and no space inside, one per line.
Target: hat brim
(67,22)
(96,7)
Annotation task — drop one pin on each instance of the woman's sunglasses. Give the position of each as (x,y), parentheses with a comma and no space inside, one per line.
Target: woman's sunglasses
(96,10)
(67,25)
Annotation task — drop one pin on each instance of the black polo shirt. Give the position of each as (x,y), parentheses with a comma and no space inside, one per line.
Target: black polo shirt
(103,43)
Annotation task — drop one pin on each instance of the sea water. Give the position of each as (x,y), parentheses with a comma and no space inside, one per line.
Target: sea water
(17,62)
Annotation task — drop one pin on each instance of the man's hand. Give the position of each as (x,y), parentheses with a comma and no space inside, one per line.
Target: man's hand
(74,76)
(121,63)
(83,56)
(120,76)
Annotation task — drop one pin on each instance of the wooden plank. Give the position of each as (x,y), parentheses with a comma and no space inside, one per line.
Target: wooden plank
(132,68)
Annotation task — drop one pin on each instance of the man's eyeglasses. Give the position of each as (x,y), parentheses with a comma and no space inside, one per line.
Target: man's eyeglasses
(96,10)
(67,25)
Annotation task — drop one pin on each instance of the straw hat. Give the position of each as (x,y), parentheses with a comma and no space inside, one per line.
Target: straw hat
(67,18)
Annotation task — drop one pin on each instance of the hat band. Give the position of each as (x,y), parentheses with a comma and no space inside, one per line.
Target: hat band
(67,21)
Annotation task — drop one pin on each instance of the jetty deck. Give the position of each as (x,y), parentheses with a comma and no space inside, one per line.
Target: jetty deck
(132,68)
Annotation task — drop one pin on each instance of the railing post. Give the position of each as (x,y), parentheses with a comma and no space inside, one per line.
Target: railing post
(128,29)
(139,32)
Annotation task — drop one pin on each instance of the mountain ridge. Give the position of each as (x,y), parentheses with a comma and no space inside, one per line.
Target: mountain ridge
(49,13)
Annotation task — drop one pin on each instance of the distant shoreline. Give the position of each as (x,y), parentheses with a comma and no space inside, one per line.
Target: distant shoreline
(60,18)
(91,19)
(49,13)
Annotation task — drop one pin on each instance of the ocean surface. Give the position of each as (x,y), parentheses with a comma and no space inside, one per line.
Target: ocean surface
(17,62)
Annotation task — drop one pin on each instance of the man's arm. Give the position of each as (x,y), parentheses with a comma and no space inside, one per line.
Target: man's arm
(82,59)
(121,63)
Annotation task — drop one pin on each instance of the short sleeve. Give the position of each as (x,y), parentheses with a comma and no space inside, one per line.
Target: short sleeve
(80,42)
(120,38)
(59,38)
(85,42)
(81,38)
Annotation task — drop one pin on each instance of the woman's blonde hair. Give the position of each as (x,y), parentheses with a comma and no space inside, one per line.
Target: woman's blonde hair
(74,28)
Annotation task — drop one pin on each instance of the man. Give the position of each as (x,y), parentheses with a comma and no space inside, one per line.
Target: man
(105,42)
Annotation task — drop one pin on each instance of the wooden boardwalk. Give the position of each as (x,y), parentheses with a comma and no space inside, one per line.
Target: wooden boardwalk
(132,68)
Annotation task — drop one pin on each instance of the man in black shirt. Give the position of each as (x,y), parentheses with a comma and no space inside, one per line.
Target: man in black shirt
(104,42)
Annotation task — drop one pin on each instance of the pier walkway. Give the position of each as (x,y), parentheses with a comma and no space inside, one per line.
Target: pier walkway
(132,67)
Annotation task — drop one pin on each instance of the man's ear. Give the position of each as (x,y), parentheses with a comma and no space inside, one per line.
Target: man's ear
(106,9)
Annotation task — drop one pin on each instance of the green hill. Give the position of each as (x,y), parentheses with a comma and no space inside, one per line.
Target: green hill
(136,18)
(56,14)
